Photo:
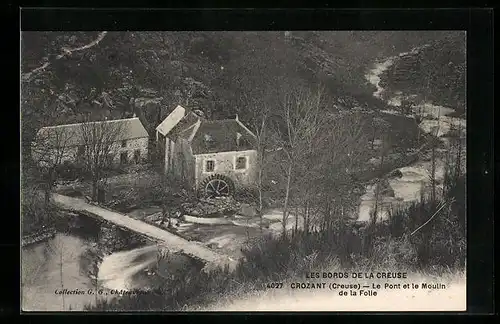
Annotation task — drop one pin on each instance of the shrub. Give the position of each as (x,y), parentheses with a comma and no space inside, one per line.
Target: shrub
(438,246)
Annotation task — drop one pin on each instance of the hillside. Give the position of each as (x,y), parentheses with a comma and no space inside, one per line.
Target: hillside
(437,72)
(221,73)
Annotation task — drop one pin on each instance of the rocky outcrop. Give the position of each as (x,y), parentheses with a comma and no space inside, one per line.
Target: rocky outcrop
(113,239)
(39,236)
(213,207)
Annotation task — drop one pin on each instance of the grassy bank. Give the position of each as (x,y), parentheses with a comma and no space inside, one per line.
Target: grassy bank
(424,238)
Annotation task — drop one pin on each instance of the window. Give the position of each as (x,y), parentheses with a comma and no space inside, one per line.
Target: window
(241,163)
(124,143)
(123,158)
(137,156)
(209,166)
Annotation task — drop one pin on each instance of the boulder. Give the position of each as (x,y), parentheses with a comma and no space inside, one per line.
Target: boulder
(248,210)
(154,217)
(396,174)
(212,245)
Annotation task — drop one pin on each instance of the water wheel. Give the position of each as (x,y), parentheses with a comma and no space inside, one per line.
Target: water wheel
(217,185)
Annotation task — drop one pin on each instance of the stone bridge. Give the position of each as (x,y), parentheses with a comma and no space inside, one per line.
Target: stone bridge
(164,238)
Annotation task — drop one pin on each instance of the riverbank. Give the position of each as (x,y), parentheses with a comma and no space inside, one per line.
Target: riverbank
(284,260)
(420,175)
(38,236)
(70,260)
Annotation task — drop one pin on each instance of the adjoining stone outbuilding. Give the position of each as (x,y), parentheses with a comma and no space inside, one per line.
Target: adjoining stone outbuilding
(68,143)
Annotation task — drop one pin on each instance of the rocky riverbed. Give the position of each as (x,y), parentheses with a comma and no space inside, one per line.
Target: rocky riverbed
(416,176)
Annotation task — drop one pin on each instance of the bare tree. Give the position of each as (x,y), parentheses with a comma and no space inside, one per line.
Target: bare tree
(434,144)
(260,127)
(258,109)
(345,149)
(100,140)
(384,150)
(379,127)
(52,146)
(296,134)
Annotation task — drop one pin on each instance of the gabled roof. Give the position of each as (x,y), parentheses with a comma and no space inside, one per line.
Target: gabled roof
(221,136)
(186,127)
(207,136)
(72,134)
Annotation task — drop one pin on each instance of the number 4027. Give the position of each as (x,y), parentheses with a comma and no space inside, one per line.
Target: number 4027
(275,285)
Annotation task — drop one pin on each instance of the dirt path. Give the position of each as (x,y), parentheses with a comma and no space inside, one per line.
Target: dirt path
(171,241)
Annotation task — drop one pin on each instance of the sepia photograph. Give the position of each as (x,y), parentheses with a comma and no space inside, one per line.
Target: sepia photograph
(243,171)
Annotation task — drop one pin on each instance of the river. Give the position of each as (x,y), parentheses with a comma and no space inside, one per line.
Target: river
(415,177)
(43,277)
(42,274)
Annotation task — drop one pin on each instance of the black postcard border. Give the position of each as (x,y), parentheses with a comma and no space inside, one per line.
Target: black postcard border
(477,22)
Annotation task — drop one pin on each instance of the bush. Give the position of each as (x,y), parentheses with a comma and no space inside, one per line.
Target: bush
(70,171)
(34,212)
(438,246)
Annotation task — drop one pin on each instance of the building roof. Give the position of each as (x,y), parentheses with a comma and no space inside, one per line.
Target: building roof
(171,121)
(72,134)
(206,136)
(221,136)
(186,127)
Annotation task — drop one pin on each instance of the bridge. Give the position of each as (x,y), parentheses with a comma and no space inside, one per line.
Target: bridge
(164,238)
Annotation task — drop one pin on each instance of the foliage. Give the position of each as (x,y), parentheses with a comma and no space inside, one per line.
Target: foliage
(221,73)
(437,72)
(436,248)
(35,213)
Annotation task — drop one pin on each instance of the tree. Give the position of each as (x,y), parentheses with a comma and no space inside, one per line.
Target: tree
(51,147)
(48,92)
(100,139)
(34,211)
(379,127)
(296,132)
(260,133)
(343,150)
(384,150)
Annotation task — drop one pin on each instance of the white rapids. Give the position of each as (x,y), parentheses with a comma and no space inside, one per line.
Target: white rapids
(417,176)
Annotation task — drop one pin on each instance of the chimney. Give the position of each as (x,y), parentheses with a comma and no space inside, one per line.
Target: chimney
(134,115)
(238,136)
